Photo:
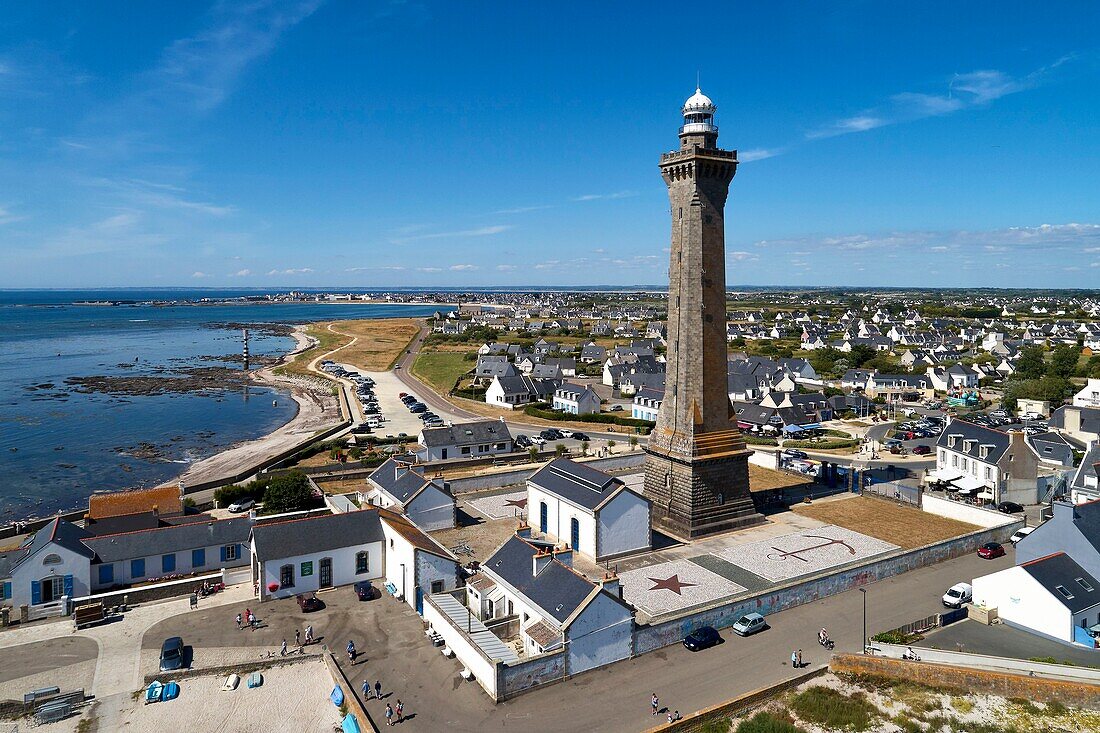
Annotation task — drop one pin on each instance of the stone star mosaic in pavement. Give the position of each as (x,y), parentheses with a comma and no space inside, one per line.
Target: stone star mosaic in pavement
(803,553)
(502,506)
(671,586)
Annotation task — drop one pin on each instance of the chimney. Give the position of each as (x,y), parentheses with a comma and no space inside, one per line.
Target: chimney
(610,583)
(400,468)
(540,560)
(1072,420)
(564,555)
(523,530)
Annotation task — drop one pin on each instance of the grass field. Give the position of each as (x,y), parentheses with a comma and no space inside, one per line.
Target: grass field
(903,526)
(440,369)
(326,341)
(379,342)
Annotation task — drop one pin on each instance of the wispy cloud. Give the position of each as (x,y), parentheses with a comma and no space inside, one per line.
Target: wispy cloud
(429,269)
(1072,237)
(142,193)
(605,196)
(748,156)
(505,268)
(478,232)
(964,91)
(242,273)
(199,274)
(741,256)
(292,271)
(463,268)
(201,70)
(373,268)
(8,217)
(522,209)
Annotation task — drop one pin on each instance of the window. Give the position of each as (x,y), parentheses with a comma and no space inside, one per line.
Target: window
(137,568)
(168,563)
(466,450)
(391,543)
(511,609)
(490,609)
(362,563)
(198,557)
(53,588)
(1084,584)
(106,574)
(52,559)
(526,618)
(954,461)
(286,576)
(437,586)
(230,552)
(1064,591)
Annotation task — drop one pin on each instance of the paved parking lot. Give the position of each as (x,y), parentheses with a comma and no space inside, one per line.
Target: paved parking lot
(1001,640)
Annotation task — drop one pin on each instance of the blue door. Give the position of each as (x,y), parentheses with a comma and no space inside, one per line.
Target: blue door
(574,533)
(542,517)
(419,601)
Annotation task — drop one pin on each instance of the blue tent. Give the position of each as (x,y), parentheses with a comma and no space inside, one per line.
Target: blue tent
(350,724)
(337,696)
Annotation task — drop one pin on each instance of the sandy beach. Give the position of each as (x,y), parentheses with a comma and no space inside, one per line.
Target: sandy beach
(318,410)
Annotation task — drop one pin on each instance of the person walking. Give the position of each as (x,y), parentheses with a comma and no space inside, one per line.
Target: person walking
(309,634)
(654,703)
(389,714)
(799,659)
(378,689)
(238,622)
(282,649)
(794,659)
(400,710)
(351,651)
(298,638)
(669,716)
(366,689)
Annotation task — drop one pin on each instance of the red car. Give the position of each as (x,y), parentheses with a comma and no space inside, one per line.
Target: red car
(991,550)
(921,450)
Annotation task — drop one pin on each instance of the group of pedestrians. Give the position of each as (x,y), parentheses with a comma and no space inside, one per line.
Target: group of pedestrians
(671,715)
(375,692)
(247,619)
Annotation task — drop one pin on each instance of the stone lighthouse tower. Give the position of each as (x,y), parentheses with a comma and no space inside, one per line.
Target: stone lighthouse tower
(696,471)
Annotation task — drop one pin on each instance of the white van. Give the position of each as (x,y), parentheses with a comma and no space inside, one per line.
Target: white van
(958,595)
(1020,534)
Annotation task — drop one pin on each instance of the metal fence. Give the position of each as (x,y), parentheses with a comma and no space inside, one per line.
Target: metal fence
(901,493)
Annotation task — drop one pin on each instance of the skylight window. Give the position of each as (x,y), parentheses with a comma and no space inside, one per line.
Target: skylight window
(1062,589)
(1084,584)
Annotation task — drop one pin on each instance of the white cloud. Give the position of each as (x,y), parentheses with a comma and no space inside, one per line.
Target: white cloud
(740,256)
(7,217)
(461,268)
(505,268)
(748,156)
(859,123)
(293,271)
(487,231)
(523,209)
(604,196)
(429,269)
(242,273)
(199,274)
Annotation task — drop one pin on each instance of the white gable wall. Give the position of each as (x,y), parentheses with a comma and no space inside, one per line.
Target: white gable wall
(558,516)
(601,634)
(1021,600)
(34,569)
(622,526)
(343,569)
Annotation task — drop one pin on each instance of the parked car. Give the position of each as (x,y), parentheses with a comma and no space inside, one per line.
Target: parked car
(958,595)
(795,453)
(1009,507)
(522,441)
(566,433)
(580,436)
(241,505)
(702,638)
(750,623)
(171,654)
(1020,534)
(921,450)
(616,408)
(364,590)
(309,602)
(991,550)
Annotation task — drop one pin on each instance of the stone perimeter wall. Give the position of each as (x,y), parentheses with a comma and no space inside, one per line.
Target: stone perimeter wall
(1075,694)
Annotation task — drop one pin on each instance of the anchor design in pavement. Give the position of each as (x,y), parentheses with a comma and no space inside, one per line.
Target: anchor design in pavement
(797,554)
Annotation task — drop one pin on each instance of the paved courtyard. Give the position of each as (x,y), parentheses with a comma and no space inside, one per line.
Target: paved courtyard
(805,552)
(673,586)
(501,506)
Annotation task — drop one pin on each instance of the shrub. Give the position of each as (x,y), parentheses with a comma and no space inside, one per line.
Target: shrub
(821,444)
(765,722)
(1054,707)
(230,493)
(757,440)
(542,409)
(828,708)
(896,637)
(288,493)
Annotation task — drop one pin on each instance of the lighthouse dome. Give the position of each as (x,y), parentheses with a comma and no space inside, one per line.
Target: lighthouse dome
(699,103)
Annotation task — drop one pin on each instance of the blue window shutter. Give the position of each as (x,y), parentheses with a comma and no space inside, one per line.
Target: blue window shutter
(106,574)
(137,568)
(198,557)
(167,563)
(69,584)
(239,555)
(36,592)
(223,552)
(5,592)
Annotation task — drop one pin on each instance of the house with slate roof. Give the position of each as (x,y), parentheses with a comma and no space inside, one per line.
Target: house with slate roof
(590,511)
(1073,529)
(400,486)
(1085,486)
(53,563)
(476,439)
(991,464)
(576,399)
(554,605)
(1052,596)
(647,403)
(516,392)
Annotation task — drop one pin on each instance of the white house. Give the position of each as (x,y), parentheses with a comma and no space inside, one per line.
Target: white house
(592,512)
(1052,596)
(996,466)
(52,564)
(512,392)
(414,564)
(576,400)
(647,403)
(476,439)
(1089,396)
(313,553)
(554,605)
(401,487)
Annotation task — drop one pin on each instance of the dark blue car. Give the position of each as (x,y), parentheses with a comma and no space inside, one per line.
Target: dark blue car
(702,638)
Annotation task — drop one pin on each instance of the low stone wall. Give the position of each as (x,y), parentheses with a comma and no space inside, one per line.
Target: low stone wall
(1075,694)
(611,464)
(351,697)
(530,674)
(155,592)
(829,583)
(738,706)
(965,512)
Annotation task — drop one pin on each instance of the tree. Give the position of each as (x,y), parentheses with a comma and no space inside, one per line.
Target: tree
(633,442)
(287,493)
(559,450)
(1063,361)
(1030,364)
(611,444)
(584,447)
(533,452)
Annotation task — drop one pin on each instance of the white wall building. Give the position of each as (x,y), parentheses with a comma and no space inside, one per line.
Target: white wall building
(1089,396)
(576,400)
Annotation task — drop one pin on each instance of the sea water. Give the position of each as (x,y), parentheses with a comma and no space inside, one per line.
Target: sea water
(58,445)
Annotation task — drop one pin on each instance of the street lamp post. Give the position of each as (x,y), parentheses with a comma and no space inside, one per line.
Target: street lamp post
(864,592)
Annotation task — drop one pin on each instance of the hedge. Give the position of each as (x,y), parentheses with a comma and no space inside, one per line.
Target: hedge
(820,444)
(541,409)
(754,440)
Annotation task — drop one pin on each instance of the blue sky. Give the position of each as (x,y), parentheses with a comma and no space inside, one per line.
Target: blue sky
(364,144)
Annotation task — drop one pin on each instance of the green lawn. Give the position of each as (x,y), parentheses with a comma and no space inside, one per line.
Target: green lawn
(440,369)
